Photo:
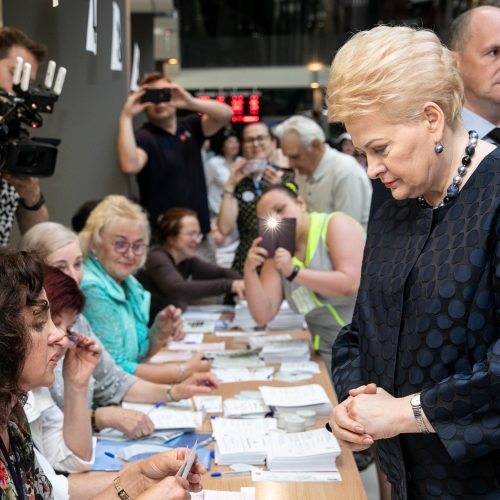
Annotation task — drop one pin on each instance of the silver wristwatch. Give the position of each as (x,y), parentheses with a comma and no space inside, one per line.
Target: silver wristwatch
(418,413)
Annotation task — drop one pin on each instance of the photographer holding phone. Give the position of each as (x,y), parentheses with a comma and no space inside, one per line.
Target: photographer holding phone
(165,153)
(19,196)
(320,280)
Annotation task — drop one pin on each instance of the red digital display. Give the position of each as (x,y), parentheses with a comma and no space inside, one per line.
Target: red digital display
(246,108)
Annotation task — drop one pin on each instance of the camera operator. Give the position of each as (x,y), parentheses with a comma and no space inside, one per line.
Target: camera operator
(165,152)
(19,196)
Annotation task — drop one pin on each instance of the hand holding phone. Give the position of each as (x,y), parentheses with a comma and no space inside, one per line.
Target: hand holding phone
(156,95)
(254,166)
(277,233)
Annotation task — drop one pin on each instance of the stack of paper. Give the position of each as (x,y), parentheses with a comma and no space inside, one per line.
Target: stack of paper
(300,367)
(236,359)
(245,493)
(199,325)
(203,347)
(245,408)
(286,319)
(314,450)
(226,426)
(231,375)
(171,357)
(258,342)
(236,448)
(292,351)
(302,397)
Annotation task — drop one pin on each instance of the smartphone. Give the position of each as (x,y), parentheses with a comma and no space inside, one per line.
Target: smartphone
(280,234)
(253,166)
(156,95)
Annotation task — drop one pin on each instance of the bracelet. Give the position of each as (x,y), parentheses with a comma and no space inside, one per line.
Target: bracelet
(168,395)
(93,424)
(120,491)
(418,413)
(294,273)
(182,371)
(36,206)
(230,193)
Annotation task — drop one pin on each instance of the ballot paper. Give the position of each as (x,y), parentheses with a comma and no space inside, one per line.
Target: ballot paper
(196,314)
(292,399)
(183,404)
(297,351)
(208,404)
(158,437)
(199,325)
(245,493)
(237,334)
(286,319)
(245,408)
(238,448)
(171,357)
(189,338)
(206,347)
(256,426)
(236,359)
(259,475)
(231,375)
(188,462)
(309,451)
(300,367)
(259,342)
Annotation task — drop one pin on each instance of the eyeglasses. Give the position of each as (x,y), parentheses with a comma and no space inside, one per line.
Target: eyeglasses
(260,139)
(195,236)
(123,246)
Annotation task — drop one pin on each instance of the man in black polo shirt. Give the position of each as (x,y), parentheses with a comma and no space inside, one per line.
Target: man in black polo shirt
(165,153)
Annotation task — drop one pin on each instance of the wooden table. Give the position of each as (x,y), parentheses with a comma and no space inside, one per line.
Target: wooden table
(350,487)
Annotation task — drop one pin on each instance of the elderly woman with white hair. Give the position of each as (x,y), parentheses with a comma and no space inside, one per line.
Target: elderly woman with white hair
(110,385)
(418,370)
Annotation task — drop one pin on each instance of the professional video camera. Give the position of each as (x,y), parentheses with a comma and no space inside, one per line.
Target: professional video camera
(20,154)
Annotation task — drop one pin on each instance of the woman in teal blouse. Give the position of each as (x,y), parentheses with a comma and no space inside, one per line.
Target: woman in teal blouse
(114,242)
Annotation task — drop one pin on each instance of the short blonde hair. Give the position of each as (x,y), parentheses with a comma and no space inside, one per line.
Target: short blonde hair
(395,70)
(47,237)
(107,213)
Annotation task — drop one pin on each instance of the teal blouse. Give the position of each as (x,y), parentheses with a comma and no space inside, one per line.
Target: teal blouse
(118,315)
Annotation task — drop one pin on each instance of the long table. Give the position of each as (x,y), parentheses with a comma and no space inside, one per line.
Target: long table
(350,487)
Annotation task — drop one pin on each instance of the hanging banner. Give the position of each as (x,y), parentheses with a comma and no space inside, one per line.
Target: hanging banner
(116,40)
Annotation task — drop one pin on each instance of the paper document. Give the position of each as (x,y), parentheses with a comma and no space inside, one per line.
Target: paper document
(245,408)
(190,315)
(209,404)
(189,338)
(306,366)
(231,375)
(259,475)
(235,448)
(171,357)
(259,342)
(199,325)
(235,333)
(302,395)
(237,359)
(188,463)
(206,347)
(245,493)
(255,426)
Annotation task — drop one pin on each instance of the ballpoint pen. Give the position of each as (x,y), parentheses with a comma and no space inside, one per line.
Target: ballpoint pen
(155,407)
(116,457)
(230,473)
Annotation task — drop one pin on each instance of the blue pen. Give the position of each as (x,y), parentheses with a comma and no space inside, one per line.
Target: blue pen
(116,457)
(206,441)
(229,473)
(156,406)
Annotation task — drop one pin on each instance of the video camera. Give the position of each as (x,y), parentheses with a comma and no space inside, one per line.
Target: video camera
(20,154)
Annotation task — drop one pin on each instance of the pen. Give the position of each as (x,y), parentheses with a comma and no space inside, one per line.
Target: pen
(206,441)
(175,436)
(116,457)
(155,407)
(230,473)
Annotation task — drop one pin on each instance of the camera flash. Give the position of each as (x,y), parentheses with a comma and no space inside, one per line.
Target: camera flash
(25,79)
(16,77)
(272,222)
(61,75)
(49,76)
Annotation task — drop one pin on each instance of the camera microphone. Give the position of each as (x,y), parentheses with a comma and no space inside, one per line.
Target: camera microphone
(61,75)
(25,79)
(16,77)
(49,76)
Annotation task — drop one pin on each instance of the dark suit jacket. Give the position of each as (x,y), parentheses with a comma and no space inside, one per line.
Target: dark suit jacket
(427,319)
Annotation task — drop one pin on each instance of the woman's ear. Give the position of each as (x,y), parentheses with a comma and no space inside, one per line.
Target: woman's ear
(301,202)
(434,119)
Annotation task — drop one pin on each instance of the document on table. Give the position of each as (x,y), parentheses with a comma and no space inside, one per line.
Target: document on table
(237,359)
(206,347)
(191,315)
(245,493)
(245,408)
(171,357)
(189,338)
(235,448)
(300,367)
(243,426)
(199,325)
(259,475)
(183,404)
(209,404)
(259,342)
(301,395)
(231,375)
(188,462)
(172,419)
(235,333)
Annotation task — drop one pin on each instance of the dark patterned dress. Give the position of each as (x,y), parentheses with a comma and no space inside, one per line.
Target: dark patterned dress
(427,319)
(9,199)
(36,484)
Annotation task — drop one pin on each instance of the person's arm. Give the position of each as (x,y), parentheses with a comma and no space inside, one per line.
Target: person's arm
(228,212)
(131,158)
(264,293)
(167,325)
(346,241)
(29,190)
(134,424)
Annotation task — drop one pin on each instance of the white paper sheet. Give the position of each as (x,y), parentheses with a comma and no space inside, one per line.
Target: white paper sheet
(136,60)
(138,449)
(235,333)
(302,395)
(245,493)
(189,338)
(246,426)
(207,347)
(268,339)
(209,404)
(244,407)
(199,325)
(116,40)
(231,375)
(259,475)
(171,357)
(91,42)
(297,367)
(200,315)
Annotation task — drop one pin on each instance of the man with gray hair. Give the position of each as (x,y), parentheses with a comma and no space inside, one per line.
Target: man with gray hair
(328,180)
(475,40)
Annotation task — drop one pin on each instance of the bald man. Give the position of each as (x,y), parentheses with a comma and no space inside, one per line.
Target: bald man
(475,40)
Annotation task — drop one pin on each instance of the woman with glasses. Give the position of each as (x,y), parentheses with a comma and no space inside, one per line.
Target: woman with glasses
(109,385)
(174,275)
(114,242)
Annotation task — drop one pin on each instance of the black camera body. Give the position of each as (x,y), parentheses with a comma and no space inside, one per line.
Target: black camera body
(19,153)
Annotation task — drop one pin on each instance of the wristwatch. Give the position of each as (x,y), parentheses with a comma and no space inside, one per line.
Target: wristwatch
(418,413)
(293,274)
(36,206)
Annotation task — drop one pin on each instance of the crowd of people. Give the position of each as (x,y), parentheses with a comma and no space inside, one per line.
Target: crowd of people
(401,289)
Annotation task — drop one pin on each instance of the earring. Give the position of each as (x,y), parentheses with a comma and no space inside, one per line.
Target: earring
(438,148)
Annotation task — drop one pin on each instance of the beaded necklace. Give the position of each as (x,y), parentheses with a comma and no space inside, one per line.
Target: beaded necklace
(453,188)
